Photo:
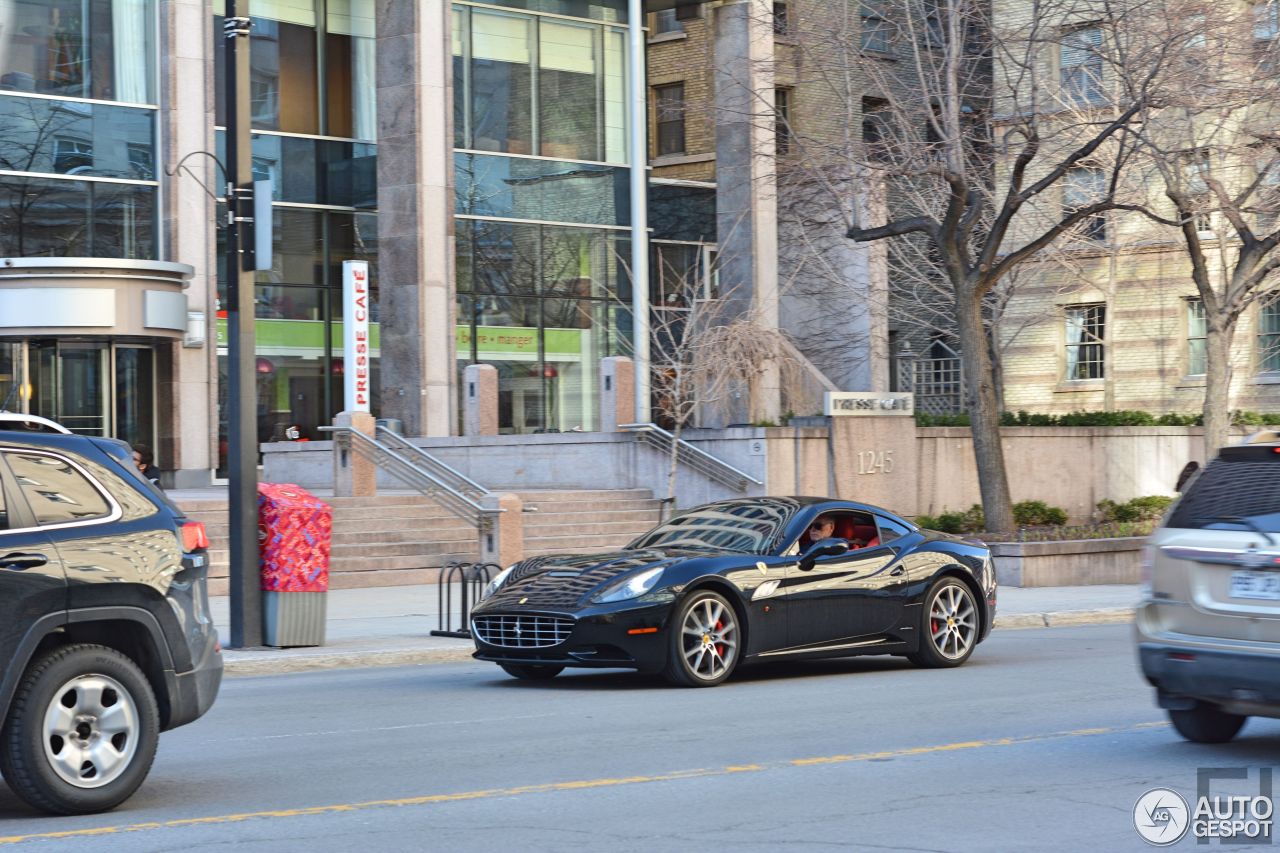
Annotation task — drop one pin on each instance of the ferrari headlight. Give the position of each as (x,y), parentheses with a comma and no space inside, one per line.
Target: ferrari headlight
(495,584)
(631,586)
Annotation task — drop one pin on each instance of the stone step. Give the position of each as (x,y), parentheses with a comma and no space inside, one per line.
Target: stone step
(363,580)
(557,526)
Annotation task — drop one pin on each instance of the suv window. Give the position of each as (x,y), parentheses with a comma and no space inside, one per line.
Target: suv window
(55,490)
(1243,482)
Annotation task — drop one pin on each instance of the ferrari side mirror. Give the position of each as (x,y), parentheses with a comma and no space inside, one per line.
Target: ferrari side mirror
(821,548)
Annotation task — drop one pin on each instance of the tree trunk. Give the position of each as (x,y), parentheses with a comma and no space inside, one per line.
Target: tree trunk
(674,467)
(1217,387)
(984,413)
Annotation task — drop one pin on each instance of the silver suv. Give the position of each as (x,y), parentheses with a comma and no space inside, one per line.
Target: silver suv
(1208,628)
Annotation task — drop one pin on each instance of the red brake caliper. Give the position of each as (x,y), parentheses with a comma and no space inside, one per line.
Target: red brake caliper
(719,646)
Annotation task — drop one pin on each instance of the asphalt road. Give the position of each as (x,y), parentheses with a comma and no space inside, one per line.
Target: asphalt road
(1044,741)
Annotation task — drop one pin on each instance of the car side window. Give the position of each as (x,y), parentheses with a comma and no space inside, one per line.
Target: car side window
(55,490)
(890,530)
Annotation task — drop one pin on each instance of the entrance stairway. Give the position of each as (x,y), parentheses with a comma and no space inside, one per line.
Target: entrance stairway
(396,539)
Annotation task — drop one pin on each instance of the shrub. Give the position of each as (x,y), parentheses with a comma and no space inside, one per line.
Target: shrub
(1149,508)
(970,521)
(1038,513)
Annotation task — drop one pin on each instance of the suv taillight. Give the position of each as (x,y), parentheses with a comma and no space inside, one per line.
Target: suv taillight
(194,537)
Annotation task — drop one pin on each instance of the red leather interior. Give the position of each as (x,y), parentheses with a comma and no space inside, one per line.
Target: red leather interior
(848,528)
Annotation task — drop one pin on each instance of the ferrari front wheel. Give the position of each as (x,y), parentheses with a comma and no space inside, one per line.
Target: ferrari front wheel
(705,641)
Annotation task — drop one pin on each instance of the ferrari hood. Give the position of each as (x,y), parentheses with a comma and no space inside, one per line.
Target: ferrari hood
(563,580)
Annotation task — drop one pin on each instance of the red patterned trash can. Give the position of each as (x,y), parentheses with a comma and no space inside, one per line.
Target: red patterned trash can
(294,532)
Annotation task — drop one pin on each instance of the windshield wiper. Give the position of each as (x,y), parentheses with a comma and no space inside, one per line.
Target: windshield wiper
(1240,520)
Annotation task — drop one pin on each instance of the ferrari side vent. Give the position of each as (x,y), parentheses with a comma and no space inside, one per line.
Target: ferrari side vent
(521,631)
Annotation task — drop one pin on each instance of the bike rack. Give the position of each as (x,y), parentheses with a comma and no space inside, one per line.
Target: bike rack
(471,579)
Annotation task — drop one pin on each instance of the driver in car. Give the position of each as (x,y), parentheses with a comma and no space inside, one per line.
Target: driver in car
(824,527)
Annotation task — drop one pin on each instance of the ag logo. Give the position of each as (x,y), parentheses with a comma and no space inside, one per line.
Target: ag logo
(1161,817)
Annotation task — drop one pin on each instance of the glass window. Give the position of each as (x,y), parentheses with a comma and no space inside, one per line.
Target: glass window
(1197,356)
(1086,341)
(890,530)
(350,69)
(782,120)
(545,304)
(545,190)
(79,48)
(79,219)
(667,22)
(70,137)
(1080,65)
(669,115)
(781,21)
(877,129)
(314,171)
(501,81)
(876,35)
(568,95)
(56,492)
(283,62)
(599,10)
(1269,335)
(1083,187)
(748,527)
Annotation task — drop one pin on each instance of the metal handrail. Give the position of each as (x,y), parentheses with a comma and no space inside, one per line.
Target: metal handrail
(463,506)
(458,481)
(694,457)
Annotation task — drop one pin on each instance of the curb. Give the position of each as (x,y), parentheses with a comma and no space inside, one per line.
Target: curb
(274,662)
(1065,618)
(270,662)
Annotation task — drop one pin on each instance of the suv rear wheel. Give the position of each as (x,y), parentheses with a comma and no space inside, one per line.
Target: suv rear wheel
(1206,723)
(82,731)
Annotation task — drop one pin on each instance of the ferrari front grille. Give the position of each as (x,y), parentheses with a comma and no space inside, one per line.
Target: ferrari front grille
(521,631)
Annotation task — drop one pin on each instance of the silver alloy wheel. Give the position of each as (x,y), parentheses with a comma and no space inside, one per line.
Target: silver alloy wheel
(953,621)
(91,731)
(709,639)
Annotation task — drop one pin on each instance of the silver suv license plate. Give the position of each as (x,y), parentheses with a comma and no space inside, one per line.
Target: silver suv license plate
(1265,585)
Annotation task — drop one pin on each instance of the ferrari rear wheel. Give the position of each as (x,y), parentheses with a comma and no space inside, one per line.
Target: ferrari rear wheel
(705,643)
(950,630)
(531,672)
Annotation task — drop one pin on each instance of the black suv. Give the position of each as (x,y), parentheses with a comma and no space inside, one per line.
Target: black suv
(105,634)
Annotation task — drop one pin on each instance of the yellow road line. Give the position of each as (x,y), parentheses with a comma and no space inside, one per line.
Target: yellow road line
(579,785)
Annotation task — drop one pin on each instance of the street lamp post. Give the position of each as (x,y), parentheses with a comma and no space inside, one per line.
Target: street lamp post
(242,404)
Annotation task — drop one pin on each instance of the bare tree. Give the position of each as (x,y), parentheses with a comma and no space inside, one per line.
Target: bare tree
(971,134)
(705,351)
(1211,150)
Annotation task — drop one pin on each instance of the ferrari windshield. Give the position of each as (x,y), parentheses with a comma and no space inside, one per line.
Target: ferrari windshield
(749,528)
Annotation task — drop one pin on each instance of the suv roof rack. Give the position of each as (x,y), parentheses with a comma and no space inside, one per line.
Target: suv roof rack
(30,423)
(1265,436)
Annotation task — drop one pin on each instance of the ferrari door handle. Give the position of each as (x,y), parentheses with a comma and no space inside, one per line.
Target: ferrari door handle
(20,562)
(898,572)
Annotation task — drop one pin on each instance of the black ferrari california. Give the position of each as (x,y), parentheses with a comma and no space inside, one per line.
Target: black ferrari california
(744,580)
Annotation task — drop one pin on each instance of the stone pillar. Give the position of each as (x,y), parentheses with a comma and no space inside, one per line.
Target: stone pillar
(353,475)
(617,392)
(480,400)
(504,542)
(187,376)
(415,215)
(876,460)
(746,181)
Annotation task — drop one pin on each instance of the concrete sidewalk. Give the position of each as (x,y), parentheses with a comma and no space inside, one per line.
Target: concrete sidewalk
(391,626)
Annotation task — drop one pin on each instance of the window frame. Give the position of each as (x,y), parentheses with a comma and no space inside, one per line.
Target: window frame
(783,109)
(1089,342)
(781,22)
(1196,315)
(114,513)
(666,22)
(1085,90)
(1094,227)
(660,123)
(875,39)
(1269,305)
